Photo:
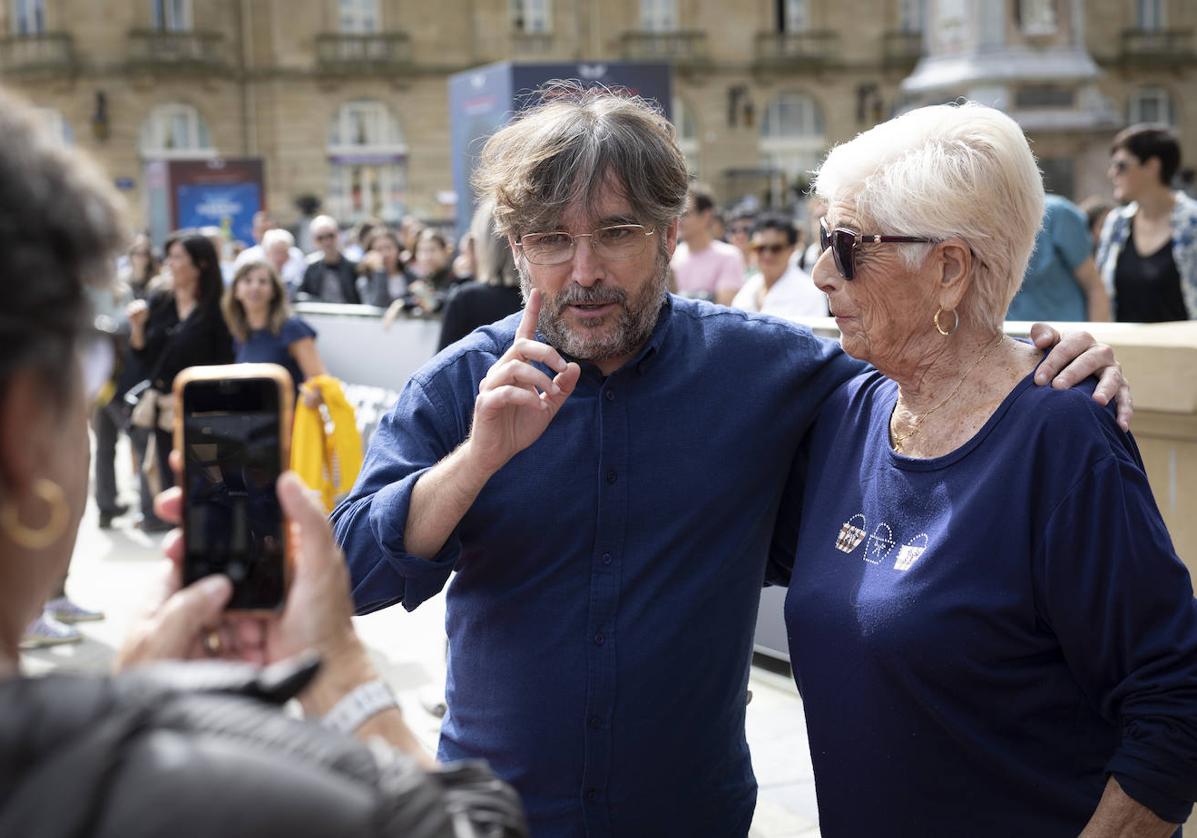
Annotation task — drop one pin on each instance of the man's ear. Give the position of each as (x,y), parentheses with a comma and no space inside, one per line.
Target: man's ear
(956,265)
(671,236)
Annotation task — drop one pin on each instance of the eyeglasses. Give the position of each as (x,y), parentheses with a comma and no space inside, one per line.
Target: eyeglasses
(843,244)
(774,249)
(741,230)
(620,241)
(1119,166)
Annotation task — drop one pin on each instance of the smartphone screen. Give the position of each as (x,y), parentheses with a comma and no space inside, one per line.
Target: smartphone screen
(232,461)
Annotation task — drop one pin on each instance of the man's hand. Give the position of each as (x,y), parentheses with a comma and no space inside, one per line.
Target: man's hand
(516,401)
(1075,357)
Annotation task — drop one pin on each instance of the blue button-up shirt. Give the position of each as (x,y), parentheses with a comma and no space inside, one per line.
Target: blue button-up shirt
(607,579)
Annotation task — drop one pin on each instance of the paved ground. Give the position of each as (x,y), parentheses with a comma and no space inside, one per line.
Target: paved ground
(115,569)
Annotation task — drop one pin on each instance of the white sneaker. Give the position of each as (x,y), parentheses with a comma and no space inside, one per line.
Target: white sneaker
(65,611)
(46,631)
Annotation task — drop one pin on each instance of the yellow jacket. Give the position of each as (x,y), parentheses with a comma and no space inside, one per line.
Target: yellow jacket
(328,463)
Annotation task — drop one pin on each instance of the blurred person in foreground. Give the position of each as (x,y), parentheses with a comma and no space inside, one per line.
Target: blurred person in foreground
(778,287)
(496,291)
(182,749)
(1061,282)
(703,266)
(607,579)
(1148,251)
(989,614)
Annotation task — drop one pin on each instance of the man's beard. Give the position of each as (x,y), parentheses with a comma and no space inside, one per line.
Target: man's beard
(636,316)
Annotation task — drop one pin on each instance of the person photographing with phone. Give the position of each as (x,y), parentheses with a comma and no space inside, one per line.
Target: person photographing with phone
(188,748)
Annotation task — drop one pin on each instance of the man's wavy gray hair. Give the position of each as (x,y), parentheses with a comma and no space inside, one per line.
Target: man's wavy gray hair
(576,142)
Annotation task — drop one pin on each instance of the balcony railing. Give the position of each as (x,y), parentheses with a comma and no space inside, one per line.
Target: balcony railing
(1160,47)
(161,50)
(810,50)
(902,50)
(531,43)
(679,46)
(49,52)
(354,53)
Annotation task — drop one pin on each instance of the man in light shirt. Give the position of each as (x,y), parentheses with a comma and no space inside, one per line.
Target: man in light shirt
(703,266)
(779,288)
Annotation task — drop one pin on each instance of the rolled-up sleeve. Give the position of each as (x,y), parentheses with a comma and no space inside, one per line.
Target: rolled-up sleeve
(1121,604)
(369,524)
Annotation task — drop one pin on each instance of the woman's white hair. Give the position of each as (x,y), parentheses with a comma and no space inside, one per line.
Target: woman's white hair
(942,172)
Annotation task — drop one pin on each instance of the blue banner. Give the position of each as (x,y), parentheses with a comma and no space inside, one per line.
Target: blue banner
(230,207)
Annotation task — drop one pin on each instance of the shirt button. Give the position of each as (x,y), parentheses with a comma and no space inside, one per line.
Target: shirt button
(599,640)
(596,722)
(612,475)
(610,395)
(592,794)
(606,558)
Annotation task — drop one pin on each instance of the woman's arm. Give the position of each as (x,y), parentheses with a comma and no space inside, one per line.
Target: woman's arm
(305,354)
(1118,815)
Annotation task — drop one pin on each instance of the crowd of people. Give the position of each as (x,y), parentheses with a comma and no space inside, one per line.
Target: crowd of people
(1012,592)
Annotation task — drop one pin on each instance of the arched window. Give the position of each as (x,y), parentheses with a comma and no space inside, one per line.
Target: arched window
(687,134)
(1150,104)
(367,163)
(175,131)
(56,122)
(792,138)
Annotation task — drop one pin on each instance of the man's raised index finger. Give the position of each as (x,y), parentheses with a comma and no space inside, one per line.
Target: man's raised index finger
(527,327)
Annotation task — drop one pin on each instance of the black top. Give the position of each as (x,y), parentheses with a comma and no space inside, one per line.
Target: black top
(475,304)
(172,345)
(1147,288)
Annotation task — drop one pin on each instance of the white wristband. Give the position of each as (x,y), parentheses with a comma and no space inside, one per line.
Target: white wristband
(358,705)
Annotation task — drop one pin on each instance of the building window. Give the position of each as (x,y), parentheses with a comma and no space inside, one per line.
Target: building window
(687,134)
(171,15)
(910,15)
(56,122)
(1151,104)
(531,16)
(1149,15)
(357,17)
(367,163)
(792,141)
(28,17)
(1037,17)
(793,15)
(658,15)
(175,131)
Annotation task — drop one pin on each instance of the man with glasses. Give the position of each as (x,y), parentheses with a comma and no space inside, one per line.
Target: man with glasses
(609,495)
(331,276)
(778,287)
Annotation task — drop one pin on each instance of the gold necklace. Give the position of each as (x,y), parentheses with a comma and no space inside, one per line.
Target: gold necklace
(897,440)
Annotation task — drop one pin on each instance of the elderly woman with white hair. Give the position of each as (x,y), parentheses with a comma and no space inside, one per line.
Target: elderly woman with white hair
(989,625)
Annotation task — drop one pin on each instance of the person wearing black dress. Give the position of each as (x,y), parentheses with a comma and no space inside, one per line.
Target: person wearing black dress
(175,329)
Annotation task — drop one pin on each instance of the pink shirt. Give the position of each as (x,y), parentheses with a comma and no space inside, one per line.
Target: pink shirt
(719,267)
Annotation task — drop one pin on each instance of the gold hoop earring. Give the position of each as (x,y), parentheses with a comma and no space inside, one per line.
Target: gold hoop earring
(940,329)
(40,537)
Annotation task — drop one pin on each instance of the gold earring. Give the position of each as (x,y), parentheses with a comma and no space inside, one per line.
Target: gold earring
(45,535)
(940,329)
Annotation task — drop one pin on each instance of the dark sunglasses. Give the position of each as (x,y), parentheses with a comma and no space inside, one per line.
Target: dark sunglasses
(770,248)
(1119,166)
(843,244)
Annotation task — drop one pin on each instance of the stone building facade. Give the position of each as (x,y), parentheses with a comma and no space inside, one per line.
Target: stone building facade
(346,100)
